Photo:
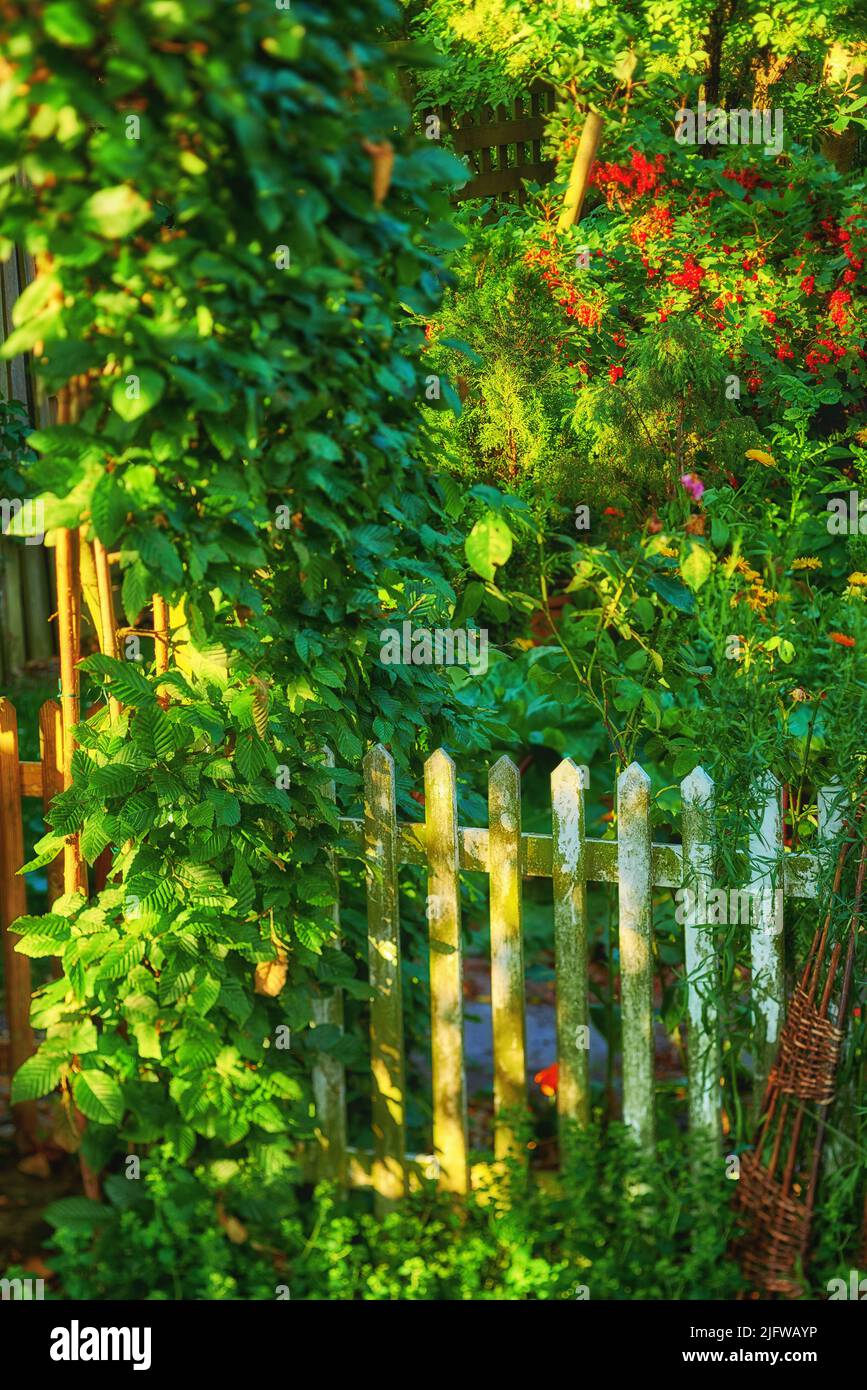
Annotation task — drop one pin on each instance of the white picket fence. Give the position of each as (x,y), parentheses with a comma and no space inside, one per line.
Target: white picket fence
(571,860)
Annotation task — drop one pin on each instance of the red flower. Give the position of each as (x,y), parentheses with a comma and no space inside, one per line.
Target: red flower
(690,277)
(612,511)
(753,384)
(614,374)
(841,639)
(769,315)
(547,1079)
(808,284)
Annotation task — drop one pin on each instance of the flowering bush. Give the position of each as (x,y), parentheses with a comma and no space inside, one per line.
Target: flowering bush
(696,302)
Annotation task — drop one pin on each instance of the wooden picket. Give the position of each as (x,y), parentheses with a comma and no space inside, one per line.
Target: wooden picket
(700,961)
(507,952)
(636,950)
(386,1011)
(446,974)
(766,944)
(329,1076)
(569,876)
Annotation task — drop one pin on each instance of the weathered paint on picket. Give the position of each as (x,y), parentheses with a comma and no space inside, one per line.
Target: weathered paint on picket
(702,966)
(636,951)
(329,1074)
(570,947)
(386,1009)
(767,943)
(446,974)
(507,952)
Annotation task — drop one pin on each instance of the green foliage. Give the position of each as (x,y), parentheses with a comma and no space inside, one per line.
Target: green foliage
(612,1230)
(238,306)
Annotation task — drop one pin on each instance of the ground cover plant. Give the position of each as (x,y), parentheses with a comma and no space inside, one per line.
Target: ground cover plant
(306,398)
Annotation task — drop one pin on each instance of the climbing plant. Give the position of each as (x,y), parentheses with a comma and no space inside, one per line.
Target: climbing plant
(234,233)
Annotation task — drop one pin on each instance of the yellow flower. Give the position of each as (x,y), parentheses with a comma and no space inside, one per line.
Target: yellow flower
(759,597)
(857,579)
(747,571)
(670,551)
(761,457)
(808,562)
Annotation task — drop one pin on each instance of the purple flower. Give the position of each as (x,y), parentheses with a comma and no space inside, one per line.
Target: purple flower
(693,485)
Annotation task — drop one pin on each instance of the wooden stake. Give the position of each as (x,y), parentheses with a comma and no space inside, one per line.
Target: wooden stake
(51,756)
(69,619)
(107,620)
(161,641)
(13,904)
(579,178)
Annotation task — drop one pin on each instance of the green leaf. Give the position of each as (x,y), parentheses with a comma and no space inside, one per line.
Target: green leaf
(108,509)
(126,680)
(115,212)
(697,565)
(673,592)
(95,835)
(154,732)
(66,23)
(99,1097)
(158,553)
(78,1213)
(488,545)
(47,849)
(38,1076)
(120,958)
(115,779)
(460,346)
(136,393)
(136,590)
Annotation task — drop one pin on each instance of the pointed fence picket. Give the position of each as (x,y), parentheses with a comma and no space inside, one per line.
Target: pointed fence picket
(571,860)
(329,1075)
(446,974)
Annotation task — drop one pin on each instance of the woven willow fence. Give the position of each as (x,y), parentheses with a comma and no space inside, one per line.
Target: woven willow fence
(571,860)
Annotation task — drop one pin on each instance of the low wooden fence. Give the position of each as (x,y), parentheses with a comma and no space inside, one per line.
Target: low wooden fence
(445,849)
(571,860)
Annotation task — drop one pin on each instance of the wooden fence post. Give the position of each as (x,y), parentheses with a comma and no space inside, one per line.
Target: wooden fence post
(51,758)
(13,904)
(446,974)
(568,870)
(767,940)
(579,177)
(69,618)
(386,1010)
(636,952)
(507,953)
(697,797)
(329,1073)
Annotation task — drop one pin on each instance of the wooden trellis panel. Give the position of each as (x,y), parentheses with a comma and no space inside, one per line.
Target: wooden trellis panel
(502,144)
